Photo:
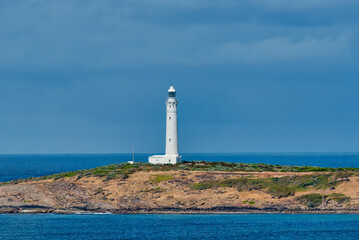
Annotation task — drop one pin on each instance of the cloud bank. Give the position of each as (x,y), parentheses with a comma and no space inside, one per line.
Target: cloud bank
(252,75)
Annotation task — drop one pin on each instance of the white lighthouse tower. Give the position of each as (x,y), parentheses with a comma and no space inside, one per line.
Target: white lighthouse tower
(171,156)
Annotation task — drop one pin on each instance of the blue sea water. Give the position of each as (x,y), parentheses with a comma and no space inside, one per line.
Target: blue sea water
(211,226)
(24,166)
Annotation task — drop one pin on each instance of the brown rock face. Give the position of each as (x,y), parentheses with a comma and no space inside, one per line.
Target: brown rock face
(168,191)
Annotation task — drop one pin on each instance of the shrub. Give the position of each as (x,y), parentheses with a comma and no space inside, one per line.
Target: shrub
(311,200)
(280,192)
(338,197)
(160,178)
(249,202)
(203,185)
(315,200)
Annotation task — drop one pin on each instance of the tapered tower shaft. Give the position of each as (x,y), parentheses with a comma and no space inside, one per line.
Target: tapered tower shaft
(171,123)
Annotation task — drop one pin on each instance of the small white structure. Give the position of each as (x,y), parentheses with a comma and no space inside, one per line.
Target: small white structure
(171,156)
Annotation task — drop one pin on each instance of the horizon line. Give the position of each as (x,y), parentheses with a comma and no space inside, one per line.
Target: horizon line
(224,153)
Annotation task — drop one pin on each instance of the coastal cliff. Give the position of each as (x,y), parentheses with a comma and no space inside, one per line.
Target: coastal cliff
(193,187)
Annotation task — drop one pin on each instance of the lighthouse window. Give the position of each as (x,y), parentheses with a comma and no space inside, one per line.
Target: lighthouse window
(171,94)
(169,139)
(170,118)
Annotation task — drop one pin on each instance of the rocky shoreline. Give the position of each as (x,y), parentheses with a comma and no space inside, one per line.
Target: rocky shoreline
(216,210)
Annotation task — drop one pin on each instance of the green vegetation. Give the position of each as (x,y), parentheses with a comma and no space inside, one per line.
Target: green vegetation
(160,178)
(248,167)
(314,199)
(276,187)
(123,170)
(311,200)
(249,202)
(338,197)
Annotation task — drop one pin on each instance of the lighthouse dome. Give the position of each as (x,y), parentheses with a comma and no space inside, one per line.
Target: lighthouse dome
(172,89)
(171,92)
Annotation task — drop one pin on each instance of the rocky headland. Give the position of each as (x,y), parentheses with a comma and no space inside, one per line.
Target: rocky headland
(192,187)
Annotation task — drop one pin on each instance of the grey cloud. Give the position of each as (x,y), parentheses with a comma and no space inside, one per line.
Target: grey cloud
(50,35)
(273,50)
(92,76)
(136,44)
(305,4)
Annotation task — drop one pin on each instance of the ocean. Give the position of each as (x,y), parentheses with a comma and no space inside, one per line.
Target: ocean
(176,226)
(172,226)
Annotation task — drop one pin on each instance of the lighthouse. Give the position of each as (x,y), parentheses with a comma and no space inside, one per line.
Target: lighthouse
(171,156)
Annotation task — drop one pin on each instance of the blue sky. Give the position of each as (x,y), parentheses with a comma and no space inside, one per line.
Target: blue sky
(91,76)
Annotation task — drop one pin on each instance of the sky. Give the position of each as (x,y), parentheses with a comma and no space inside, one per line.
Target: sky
(91,76)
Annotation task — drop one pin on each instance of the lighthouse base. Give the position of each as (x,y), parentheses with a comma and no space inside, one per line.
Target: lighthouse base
(164,159)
